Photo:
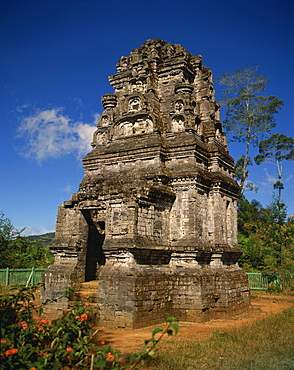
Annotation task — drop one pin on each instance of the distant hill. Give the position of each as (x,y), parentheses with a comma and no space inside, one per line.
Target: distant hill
(44,238)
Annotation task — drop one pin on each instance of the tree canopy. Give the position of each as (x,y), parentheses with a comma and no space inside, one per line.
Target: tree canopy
(17,251)
(266,236)
(249,114)
(275,150)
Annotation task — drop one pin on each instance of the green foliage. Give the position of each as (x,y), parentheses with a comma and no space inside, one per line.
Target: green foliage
(275,150)
(249,114)
(239,173)
(17,251)
(274,288)
(253,254)
(29,342)
(266,236)
(152,344)
(250,215)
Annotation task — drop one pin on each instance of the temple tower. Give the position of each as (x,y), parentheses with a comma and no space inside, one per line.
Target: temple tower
(155,216)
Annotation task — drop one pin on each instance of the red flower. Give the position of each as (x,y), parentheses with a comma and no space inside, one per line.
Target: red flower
(3,341)
(11,351)
(41,353)
(84,316)
(68,349)
(109,357)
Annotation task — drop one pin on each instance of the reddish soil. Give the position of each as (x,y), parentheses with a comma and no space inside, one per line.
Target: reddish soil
(131,341)
(262,305)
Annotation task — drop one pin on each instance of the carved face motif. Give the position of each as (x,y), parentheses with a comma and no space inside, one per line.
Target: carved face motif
(179,106)
(134,104)
(104,120)
(101,138)
(178,124)
(138,86)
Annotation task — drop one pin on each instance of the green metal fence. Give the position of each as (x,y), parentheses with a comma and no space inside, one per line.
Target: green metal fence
(257,281)
(262,281)
(13,277)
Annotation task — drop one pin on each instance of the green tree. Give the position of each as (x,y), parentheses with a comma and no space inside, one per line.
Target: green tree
(253,254)
(278,237)
(17,251)
(265,236)
(250,219)
(249,114)
(275,150)
(273,237)
(7,235)
(239,171)
(250,216)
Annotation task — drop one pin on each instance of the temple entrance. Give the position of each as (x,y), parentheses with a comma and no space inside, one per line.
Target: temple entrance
(96,235)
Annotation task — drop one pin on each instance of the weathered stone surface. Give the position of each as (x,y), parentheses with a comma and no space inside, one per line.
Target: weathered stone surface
(155,219)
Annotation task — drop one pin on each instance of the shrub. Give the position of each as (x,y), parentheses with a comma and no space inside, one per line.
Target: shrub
(274,288)
(29,342)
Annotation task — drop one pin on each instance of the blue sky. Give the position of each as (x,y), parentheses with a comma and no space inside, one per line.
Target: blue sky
(55,57)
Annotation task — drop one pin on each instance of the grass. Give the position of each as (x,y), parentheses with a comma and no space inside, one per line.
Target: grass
(266,345)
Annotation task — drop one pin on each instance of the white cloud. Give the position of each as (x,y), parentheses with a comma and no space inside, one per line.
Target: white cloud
(68,188)
(265,184)
(270,179)
(288,179)
(50,134)
(22,107)
(35,230)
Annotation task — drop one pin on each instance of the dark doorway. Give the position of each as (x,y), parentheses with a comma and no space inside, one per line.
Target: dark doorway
(96,236)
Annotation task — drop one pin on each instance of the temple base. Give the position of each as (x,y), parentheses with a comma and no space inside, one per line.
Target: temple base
(141,296)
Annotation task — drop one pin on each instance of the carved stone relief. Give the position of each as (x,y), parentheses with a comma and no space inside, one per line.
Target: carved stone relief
(135,104)
(179,106)
(138,85)
(178,124)
(137,126)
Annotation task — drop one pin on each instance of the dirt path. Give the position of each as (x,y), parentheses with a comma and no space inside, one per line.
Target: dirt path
(262,305)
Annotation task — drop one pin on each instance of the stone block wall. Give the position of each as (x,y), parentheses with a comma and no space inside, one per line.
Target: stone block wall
(141,296)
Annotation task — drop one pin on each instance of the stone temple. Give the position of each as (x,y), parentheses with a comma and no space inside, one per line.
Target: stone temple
(154,223)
